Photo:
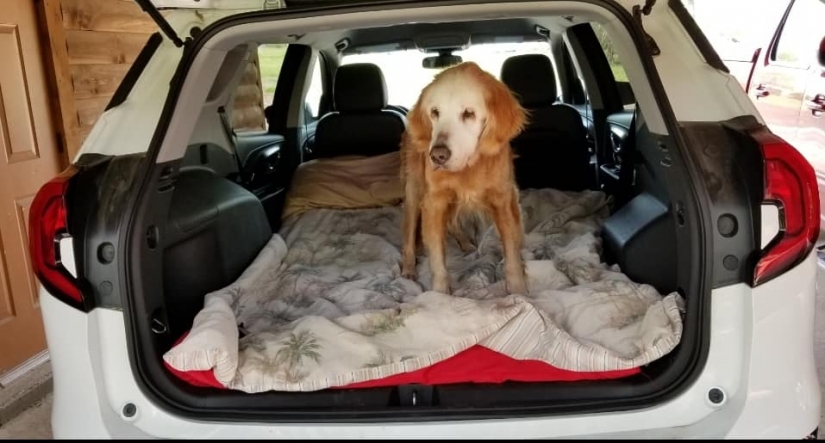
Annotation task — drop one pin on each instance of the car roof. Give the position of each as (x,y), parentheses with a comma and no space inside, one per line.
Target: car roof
(431,37)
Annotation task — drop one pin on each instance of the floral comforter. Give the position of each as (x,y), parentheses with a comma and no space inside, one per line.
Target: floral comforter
(324,303)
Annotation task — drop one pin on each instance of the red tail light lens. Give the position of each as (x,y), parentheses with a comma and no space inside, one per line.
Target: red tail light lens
(790,183)
(47,225)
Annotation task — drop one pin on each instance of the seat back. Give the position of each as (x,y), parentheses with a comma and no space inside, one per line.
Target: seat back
(360,124)
(552,150)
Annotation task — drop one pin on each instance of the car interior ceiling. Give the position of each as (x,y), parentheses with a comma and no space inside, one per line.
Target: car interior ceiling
(250,180)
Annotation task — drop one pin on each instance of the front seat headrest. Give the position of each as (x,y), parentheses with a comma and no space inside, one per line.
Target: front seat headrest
(359,87)
(532,79)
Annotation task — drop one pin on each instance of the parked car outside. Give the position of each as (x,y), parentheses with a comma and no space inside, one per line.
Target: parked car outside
(785,76)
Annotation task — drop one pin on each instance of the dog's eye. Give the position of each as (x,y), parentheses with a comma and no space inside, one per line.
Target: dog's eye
(434,113)
(468,114)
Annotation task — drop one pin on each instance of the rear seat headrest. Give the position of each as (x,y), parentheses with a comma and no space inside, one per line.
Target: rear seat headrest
(531,78)
(359,87)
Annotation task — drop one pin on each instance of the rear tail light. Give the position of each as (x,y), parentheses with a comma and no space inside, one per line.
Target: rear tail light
(47,226)
(790,184)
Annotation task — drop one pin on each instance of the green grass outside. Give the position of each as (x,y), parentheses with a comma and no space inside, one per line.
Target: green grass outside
(270,58)
(619,73)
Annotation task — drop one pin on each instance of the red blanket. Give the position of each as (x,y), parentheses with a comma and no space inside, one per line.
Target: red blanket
(475,365)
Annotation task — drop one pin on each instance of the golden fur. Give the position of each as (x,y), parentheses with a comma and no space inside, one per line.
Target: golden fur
(484,186)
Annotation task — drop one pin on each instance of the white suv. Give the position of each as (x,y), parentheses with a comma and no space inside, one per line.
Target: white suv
(167,210)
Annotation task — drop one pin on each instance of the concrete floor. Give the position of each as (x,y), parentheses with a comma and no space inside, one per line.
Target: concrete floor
(35,423)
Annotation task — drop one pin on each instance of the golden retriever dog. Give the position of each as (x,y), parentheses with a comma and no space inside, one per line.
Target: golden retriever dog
(457,159)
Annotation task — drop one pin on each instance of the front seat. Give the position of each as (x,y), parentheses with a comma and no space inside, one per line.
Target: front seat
(552,150)
(360,124)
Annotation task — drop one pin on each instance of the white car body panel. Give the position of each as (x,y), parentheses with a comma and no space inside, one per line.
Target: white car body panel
(774,394)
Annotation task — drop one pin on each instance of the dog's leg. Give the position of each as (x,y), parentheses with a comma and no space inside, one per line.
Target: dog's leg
(507,216)
(434,221)
(412,206)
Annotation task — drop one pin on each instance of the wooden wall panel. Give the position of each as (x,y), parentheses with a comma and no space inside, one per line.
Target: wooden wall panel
(56,59)
(248,108)
(93,44)
(89,109)
(95,80)
(103,47)
(106,15)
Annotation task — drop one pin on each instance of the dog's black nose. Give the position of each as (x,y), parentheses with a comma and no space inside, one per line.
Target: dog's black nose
(440,154)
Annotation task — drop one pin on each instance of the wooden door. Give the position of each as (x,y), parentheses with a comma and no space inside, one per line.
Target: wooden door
(29,156)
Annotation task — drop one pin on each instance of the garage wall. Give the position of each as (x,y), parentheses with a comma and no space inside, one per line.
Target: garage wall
(94,42)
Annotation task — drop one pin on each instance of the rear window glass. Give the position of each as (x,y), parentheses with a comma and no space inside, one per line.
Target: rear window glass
(406,77)
(271,59)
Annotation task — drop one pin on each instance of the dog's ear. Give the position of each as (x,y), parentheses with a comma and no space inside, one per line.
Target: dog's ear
(506,117)
(419,126)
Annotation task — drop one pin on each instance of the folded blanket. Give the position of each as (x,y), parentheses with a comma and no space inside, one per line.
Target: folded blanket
(349,182)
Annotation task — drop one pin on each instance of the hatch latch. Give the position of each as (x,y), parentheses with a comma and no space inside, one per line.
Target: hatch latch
(415,395)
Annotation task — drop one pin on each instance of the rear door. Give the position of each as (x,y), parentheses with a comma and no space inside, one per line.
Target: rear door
(271,133)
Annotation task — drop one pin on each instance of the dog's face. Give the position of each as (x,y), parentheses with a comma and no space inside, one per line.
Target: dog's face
(457,113)
(465,112)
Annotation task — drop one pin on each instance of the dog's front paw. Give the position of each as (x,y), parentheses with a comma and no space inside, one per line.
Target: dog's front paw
(409,274)
(408,269)
(517,288)
(441,285)
(516,284)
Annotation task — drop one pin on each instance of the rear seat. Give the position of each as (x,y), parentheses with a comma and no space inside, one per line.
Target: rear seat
(552,150)
(360,124)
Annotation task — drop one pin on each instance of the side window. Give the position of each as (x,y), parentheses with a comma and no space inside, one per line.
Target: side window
(316,90)
(619,74)
(271,59)
(612,58)
(797,44)
(256,89)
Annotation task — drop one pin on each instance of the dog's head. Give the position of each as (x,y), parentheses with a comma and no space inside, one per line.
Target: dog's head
(463,113)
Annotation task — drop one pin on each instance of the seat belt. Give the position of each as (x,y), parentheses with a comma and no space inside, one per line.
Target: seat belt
(233,138)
